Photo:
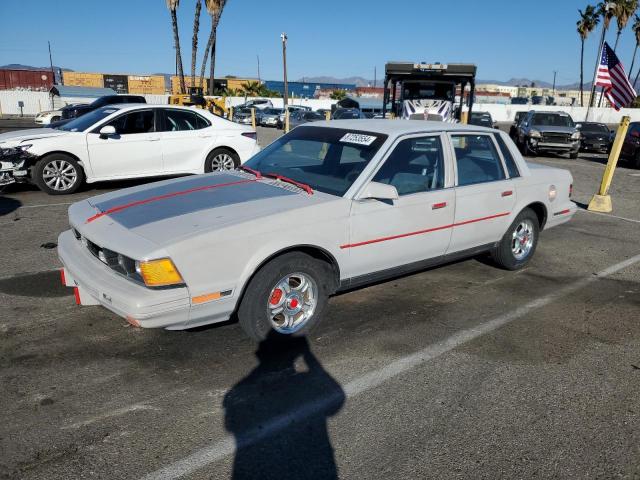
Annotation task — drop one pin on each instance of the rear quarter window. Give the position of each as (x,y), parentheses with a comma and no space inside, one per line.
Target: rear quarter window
(512,168)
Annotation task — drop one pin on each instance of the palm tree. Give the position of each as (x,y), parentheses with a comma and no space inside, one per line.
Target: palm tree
(215,8)
(338,95)
(636,31)
(624,10)
(172,5)
(588,21)
(194,42)
(251,89)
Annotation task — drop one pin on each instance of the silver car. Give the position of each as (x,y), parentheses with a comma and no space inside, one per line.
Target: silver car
(269,117)
(327,207)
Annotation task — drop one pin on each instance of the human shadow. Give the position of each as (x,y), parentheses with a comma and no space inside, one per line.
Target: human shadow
(278,414)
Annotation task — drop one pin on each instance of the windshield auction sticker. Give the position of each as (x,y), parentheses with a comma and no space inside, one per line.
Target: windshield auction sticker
(358,139)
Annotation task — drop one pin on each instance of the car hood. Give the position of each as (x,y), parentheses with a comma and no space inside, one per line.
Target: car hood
(165,212)
(10,139)
(551,129)
(595,135)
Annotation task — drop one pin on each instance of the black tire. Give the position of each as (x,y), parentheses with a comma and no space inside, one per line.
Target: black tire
(504,255)
(253,313)
(221,159)
(525,150)
(573,155)
(71,179)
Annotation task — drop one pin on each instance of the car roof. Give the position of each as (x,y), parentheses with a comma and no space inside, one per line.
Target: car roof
(134,106)
(399,127)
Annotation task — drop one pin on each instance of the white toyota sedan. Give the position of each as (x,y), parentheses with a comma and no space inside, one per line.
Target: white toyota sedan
(327,207)
(127,141)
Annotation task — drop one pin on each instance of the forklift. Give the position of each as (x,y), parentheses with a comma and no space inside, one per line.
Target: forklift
(429,91)
(196,98)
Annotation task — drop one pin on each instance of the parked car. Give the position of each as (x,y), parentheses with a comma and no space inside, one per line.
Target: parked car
(269,117)
(548,132)
(347,114)
(243,115)
(76,109)
(513,129)
(325,208)
(631,145)
(302,116)
(290,109)
(127,141)
(48,117)
(595,137)
(258,103)
(481,119)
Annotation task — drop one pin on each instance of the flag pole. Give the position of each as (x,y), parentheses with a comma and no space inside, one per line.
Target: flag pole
(593,84)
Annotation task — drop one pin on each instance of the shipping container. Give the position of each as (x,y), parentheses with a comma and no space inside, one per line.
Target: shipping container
(146,84)
(220,83)
(11,79)
(81,79)
(119,83)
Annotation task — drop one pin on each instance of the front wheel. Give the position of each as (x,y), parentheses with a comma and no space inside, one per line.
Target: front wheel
(517,246)
(58,174)
(286,297)
(221,159)
(573,155)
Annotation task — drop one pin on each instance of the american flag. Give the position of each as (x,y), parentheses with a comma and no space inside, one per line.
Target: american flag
(612,78)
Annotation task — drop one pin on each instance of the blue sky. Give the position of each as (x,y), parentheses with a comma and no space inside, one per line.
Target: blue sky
(505,38)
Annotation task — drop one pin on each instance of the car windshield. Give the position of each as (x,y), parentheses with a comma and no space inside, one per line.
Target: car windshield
(347,114)
(87,120)
(552,120)
(327,159)
(481,119)
(594,127)
(272,111)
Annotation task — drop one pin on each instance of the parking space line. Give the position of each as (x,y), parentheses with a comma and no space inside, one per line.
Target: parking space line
(45,205)
(227,446)
(114,413)
(609,215)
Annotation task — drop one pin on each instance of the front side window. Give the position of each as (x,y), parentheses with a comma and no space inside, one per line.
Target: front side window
(326,159)
(415,165)
(477,159)
(139,121)
(181,120)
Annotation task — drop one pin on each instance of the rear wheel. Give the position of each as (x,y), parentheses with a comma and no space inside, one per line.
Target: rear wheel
(58,174)
(519,243)
(286,297)
(221,159)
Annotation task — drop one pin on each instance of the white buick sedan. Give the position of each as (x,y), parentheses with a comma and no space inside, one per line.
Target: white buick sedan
(327,207)
(127,141)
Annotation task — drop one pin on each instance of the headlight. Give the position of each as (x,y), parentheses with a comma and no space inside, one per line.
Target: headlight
(24,148)
(159,273)
(576,136)
(534,133)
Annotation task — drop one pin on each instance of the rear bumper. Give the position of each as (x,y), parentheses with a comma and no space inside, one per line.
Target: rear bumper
(97,284)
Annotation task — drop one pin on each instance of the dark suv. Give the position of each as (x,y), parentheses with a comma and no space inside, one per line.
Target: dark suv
(594,137)
(631,145)
(75,110)
(548,132)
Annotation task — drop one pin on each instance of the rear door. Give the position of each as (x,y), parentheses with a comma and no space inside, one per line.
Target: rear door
(134,151)
(485,196)
(185,136)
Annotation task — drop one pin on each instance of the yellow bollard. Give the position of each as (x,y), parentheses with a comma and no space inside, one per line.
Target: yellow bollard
(327,115)
(253,118)
(464,117)
(286,121)
(601,201)
(231,113)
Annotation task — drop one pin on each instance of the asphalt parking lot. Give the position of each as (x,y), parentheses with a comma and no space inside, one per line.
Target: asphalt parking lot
(464,371)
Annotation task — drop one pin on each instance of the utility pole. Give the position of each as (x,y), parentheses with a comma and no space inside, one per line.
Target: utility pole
(258,57)
(553,90)
(53,74)
(375,76)
(283,36)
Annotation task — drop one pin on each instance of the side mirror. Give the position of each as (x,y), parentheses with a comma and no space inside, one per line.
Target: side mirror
(107,131)
(379,191)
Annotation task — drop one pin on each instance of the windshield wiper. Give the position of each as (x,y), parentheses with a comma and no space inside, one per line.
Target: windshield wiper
(251,170)
(282,178)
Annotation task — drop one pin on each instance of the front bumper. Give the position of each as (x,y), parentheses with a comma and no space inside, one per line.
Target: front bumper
(572,147)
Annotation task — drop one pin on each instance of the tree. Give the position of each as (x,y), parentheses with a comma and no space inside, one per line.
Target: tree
(172,5)
(194,42)
(214,7)
(623,11)
(588,21)
(251,89)
(338,95)
(636,30)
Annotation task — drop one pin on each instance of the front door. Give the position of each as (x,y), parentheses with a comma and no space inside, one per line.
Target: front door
(133,151)
(485,196)
(414,228)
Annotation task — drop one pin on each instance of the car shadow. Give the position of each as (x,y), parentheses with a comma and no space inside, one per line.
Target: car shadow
(278,414)
(8,205)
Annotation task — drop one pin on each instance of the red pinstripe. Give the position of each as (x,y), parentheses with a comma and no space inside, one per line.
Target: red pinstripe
(420,232)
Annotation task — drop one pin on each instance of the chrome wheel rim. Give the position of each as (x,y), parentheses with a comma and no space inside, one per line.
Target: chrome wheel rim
(292,302)
(59,175)
(522,239)
(222,161)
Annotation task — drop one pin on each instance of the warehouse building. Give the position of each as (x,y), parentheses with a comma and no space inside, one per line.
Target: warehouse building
(307,89)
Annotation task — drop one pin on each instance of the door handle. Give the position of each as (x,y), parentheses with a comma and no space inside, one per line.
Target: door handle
(154,139)
(437,206)
(507,193)
(204,136)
